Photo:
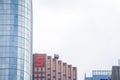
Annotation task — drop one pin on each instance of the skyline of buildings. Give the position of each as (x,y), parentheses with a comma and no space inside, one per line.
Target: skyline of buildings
(16,49)
(15,39)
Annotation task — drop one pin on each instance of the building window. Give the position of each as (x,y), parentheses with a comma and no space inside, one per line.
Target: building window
(43,69)
(35,78)
(43,74)
(43,79)
(39,79)
(39,69)
(48,77)
(35,75)
(35,69)
(39,75)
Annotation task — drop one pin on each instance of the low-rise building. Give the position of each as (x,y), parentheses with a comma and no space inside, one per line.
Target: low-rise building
(100,75)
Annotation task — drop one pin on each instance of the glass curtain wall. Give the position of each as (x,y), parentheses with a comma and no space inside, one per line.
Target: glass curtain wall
(15,39)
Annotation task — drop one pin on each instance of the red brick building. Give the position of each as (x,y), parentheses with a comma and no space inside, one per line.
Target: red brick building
(48,68)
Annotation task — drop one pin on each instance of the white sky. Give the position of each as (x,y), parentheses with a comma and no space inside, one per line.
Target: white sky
(85,33)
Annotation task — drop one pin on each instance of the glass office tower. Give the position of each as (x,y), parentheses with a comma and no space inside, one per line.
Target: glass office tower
(15,39)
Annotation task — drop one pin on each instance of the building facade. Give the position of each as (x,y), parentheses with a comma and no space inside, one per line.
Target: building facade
(100,75)
(15,39)
(48,68)
(115,72)
(74,73)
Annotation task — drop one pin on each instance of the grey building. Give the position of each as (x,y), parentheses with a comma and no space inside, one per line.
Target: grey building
(116,73)
(15,39)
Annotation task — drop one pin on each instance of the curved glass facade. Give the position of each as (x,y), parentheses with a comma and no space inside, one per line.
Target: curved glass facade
(15,39)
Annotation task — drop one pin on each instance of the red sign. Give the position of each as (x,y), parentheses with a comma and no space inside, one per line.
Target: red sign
(39,61)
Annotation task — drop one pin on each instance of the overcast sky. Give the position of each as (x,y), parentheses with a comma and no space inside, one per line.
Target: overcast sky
(85,33)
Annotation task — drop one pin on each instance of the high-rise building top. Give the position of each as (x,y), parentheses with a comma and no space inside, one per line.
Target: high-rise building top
(15,39)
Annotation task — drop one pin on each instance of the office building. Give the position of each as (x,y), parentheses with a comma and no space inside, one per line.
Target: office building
(115,73)
(65,68)
(15,39)
(100,75)
(48,68)
(74,73)
(60,75)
